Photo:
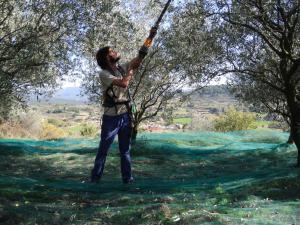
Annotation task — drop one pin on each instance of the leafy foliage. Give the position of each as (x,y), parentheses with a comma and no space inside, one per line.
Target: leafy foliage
(234,120)
(88,130)
(257,44)
(156,82)
(51,132)
(35,47)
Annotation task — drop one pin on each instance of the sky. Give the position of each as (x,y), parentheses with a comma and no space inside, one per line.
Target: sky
(75,83)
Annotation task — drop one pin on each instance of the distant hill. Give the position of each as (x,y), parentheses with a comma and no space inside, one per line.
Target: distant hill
(71,95)
(66,95)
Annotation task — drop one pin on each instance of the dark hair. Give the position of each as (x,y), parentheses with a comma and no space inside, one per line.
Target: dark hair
(101,57)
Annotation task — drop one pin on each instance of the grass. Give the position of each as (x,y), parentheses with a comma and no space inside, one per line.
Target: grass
(261,124)
(180,178)
(182,120)
(76,130)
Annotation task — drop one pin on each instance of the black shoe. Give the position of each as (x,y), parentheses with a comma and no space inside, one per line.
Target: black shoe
(129,181)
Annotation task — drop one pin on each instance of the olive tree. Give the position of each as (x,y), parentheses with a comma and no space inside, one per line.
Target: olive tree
(156,81)
(258,44)
(266,51)
(36,41)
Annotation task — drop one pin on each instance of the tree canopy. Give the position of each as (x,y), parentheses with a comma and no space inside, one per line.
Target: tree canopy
(36,42)
(257,44)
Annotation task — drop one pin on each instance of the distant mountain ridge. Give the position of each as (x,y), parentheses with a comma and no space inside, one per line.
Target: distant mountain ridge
(64,95)
(73,94)
(70,93)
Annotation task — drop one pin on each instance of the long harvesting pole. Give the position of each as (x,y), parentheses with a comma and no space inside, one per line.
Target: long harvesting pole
(148,42)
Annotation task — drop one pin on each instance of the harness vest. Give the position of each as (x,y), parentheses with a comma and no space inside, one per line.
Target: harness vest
(110,97)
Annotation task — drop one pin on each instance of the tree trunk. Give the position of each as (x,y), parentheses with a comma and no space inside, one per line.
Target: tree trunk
(296,135)
(295,128)
(298,161)
(290,140)
(294,106)
(134,132)
(297,142)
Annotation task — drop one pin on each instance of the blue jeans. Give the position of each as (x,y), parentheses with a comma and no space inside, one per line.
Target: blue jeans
(111,126)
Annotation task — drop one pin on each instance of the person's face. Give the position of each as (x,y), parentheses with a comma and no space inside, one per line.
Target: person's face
(113,55)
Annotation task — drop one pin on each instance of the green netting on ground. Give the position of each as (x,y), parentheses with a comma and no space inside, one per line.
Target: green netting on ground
(180,178)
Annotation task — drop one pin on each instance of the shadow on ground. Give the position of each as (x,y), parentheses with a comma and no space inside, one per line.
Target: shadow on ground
(180,178)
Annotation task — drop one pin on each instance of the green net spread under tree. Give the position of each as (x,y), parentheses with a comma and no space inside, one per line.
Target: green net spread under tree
(180,178)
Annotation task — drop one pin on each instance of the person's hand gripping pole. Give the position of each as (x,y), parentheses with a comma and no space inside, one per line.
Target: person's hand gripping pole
(148,42)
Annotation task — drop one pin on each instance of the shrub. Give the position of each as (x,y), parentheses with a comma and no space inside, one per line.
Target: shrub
(31,122)
(88,130)
(74,109)
(202,123)
(58,111)
(51,132)
(56,122)
(22,124)
(234,120)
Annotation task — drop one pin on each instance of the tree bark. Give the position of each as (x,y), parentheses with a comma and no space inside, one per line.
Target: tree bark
(296,130)
(290,140)
(294,107)
(298,147)
(295,126)
(134,132)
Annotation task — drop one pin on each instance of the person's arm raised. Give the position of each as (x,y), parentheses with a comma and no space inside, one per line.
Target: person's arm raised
(124,81)
(135,63)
